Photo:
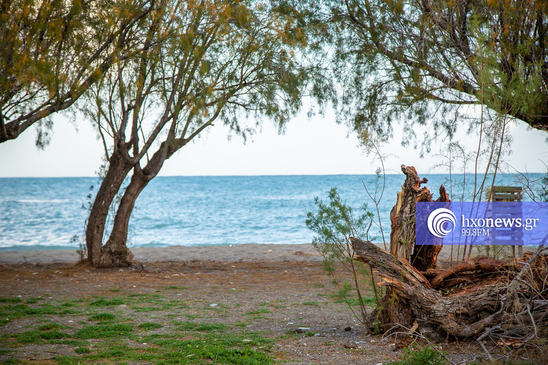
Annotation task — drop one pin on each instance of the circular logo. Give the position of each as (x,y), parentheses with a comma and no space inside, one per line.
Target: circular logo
(437,219)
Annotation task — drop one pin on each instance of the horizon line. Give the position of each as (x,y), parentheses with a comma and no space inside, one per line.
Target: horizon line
(274,175)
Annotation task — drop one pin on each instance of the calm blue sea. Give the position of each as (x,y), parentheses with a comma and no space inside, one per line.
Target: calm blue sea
(45,213)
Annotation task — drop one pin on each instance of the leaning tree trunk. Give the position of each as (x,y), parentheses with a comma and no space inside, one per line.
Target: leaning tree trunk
(115,252)
(111,184)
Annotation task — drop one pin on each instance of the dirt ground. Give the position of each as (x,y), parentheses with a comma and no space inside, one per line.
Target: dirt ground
(297,293)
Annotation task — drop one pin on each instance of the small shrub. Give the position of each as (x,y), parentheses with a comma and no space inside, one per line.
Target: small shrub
(422,356)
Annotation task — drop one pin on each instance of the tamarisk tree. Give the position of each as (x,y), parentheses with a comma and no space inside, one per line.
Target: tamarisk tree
(409,60)
(196,62)
(52,51)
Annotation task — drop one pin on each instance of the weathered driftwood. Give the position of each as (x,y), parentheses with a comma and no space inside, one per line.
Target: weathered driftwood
(461,315)
(402,217)
(396,308)
(462,301)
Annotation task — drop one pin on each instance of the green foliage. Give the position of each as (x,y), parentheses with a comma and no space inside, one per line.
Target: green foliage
(422,356)
(226,62)
(10,300)
(420,64)
(334,224)
(52,51)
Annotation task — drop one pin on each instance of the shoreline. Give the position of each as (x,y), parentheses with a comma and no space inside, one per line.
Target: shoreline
(225,253)
(221,253)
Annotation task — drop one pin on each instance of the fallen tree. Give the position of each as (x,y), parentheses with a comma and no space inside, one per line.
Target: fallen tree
(505,301)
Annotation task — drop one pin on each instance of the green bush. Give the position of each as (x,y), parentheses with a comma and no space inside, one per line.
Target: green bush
(422,356)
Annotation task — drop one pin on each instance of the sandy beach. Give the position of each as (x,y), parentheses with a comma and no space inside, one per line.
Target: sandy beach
(228,253)
(247,252)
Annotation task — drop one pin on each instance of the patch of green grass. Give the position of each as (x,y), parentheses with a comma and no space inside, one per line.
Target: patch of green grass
(203,327)
(104,331)
(146,309)
(115,290)
(82,350)
(175,287)
(150,326)
(102,317)
(318,285)
(106,302)
(33,300)
(36,336)
(196,348)
(259,311)
(23,310)
(421,356)
(50,326)
(10,362)
(311,303)
(10,300)
(226,349)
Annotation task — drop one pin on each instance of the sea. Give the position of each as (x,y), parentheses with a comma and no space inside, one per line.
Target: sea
(51,213)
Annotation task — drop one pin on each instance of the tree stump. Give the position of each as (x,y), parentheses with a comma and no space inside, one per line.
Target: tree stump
(395,309)
(459,302)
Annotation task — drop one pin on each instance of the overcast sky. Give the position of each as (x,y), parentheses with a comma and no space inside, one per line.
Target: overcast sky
(310,146)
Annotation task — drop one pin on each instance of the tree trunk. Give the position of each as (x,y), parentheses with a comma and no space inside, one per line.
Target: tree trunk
(395,309)
(461,315)
(115,252)
(117,172)
(402,216)
(425,253)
